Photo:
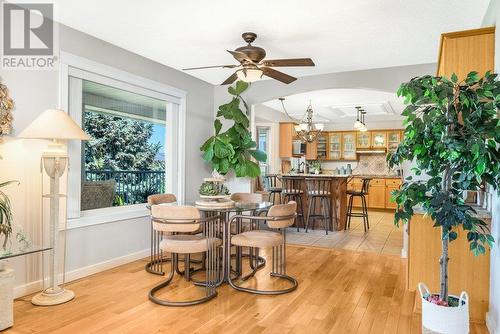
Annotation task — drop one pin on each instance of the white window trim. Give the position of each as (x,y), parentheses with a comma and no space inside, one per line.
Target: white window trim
(71,65)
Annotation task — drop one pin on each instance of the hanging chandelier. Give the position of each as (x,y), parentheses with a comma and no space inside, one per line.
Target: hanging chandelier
(360,124)
(306,130)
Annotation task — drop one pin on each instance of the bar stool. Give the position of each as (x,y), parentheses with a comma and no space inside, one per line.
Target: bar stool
(291,190)
(318,190)
(272,187)
(364,207)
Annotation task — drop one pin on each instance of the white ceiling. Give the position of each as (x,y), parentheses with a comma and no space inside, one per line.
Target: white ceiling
(338,35)
(337,106)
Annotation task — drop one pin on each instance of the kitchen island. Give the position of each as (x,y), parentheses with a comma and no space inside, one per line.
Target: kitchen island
(338,197)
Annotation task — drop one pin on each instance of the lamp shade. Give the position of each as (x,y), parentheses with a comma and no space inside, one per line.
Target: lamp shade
(54,124)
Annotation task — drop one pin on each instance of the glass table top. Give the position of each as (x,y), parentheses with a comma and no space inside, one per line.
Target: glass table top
(17,249)
(237,207)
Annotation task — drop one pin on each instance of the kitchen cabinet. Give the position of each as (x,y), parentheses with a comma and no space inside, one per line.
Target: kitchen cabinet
(322,146)
(312,150)
(464,51)
(335,146)
(393,140)
(287,134)
(349,145)
(363,139)
(390,186)
(378,139)
(377,191)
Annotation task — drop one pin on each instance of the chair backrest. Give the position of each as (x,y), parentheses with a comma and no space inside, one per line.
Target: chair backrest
(247,197)
(271,180)
(318,186)
(161,198)
(366,185)
(287,211)
(179,218)
(290,184)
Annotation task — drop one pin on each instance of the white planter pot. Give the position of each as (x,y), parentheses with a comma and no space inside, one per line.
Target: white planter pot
(444,319)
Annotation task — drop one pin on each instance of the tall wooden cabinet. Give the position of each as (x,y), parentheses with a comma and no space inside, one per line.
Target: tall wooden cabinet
(287,134)
(464,51)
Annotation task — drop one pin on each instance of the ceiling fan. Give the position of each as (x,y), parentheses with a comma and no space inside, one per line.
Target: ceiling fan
(253,65)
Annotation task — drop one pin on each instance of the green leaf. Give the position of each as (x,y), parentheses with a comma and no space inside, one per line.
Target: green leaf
(454,78)
(208,155)
(217,126)
(258,155)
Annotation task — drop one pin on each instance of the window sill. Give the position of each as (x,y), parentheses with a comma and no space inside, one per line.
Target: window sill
(107,215)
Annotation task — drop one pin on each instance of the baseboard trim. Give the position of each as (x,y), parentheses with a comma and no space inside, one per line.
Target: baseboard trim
(491,324)
(32,287)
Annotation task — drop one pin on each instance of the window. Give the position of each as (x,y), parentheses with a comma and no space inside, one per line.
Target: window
(124,162)
(137,127)
(263,145)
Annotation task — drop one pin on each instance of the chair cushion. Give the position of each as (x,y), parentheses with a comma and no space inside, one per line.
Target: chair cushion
(354,192)
(257,238)
(319,193)
(186,244)
(274,189)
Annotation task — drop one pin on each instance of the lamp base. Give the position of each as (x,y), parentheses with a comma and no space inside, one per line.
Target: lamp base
(51,296)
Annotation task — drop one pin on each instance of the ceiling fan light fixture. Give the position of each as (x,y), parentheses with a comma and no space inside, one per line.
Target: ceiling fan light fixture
(249,75)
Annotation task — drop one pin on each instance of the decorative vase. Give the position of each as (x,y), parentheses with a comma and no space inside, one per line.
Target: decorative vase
(444,319)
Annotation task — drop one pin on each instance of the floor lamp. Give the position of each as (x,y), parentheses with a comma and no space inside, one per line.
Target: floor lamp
(57,126)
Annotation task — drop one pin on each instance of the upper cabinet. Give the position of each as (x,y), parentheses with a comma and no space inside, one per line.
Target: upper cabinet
(287,134)
(335,149)
(349,145)
(363,139)
(379,139)
(393,139)
(322,147)
(464,51)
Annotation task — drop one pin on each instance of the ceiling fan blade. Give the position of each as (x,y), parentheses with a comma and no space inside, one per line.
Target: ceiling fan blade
(215,66)
(240,56)
(288,62)
(280,76)
(230,80)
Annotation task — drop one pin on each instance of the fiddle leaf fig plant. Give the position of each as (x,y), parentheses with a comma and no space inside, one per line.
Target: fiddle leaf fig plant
(234,148)
(452,134)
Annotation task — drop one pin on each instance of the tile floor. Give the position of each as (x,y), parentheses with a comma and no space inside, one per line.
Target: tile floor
(382,237)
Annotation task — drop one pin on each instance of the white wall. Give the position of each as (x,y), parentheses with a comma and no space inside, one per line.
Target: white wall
(491,18)
(99,246)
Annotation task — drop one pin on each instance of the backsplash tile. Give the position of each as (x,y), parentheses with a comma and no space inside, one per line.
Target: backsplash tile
(372,164)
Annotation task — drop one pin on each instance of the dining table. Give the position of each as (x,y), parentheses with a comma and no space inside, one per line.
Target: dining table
(155,265)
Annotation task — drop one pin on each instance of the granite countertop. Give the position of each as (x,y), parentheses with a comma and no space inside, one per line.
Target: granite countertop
(481,213)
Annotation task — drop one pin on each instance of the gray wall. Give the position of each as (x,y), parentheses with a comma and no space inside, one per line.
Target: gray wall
(491,18)
(35,91)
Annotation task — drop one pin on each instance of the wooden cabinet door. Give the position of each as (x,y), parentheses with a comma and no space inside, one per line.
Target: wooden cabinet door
(390,185)
(379,139)
(335,146)
(376,194)
(322,146)
(363,139)
(465,51)
(393,140)
(349,145)
(287,133)
(312,150)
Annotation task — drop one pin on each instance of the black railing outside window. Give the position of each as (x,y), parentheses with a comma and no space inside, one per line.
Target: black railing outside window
(131,187)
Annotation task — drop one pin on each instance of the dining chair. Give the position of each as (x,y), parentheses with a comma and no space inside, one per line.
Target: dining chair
(187,219)
(278,218)
(155,264)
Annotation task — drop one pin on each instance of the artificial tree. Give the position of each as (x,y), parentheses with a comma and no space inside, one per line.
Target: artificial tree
(5,215)
(234,148)
(452,134)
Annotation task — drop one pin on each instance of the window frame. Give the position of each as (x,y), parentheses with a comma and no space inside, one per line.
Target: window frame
(74,68)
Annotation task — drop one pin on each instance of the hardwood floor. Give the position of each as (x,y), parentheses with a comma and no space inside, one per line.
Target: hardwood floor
(340,291)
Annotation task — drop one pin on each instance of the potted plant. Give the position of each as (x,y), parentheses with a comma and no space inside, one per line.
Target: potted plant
(452,134)
(5,215)
(234,148)
(315,166)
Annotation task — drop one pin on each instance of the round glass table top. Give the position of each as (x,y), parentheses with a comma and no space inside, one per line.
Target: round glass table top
(237,207)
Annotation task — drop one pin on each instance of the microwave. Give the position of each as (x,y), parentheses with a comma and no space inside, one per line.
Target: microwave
(298,147)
